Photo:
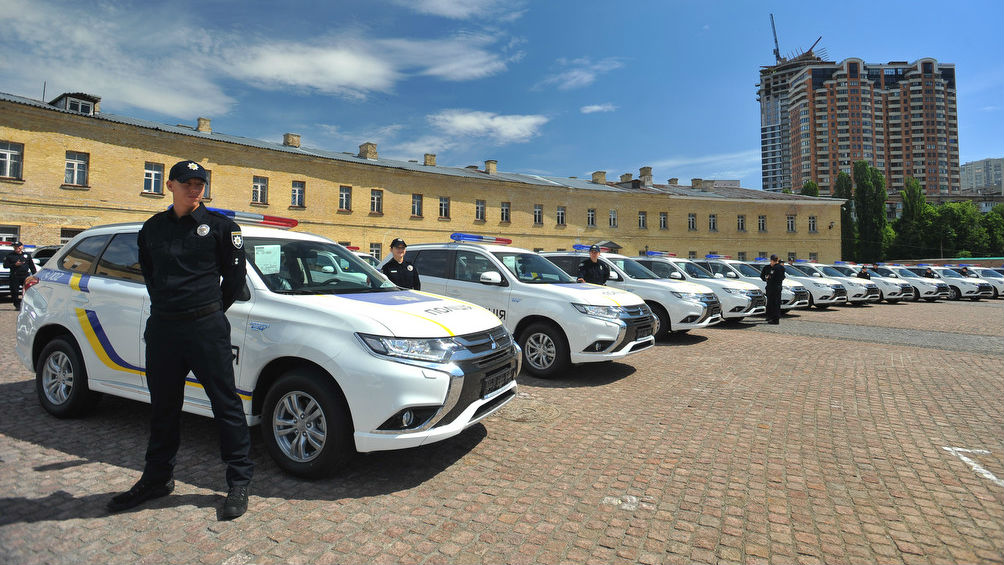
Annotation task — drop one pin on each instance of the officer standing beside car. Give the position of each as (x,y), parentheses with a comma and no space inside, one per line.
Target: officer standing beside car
(401,272)
(21,265)
(194,266)
(592,270)
(773,275)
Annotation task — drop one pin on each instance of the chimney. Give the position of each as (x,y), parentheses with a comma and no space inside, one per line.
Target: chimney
(600,177)
(626,177)
(707,185)
(204,125)
(430,159)
(695,183)
(368,150)
(674,180)
(291,139)
(645,174)
(491,166)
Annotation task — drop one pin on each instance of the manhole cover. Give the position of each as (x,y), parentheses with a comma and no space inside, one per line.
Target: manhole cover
(528,410)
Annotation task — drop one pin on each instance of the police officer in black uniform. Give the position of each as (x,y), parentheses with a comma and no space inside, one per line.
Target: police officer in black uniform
(401,272)
(185,252)
(773,274)
(21,265)
(592,270)
(864,274)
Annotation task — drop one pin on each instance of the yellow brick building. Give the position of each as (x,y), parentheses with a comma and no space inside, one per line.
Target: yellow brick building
(65,166)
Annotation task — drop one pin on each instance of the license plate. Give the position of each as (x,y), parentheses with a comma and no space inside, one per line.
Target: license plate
(494,382)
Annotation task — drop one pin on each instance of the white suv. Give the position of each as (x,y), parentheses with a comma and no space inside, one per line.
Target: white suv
(923,287)
(793,294)
(739,298)
(676,305)
(823,291)
(993,277)
(859,290)
(959,286)
(556,320)
(325,361)
(891,290)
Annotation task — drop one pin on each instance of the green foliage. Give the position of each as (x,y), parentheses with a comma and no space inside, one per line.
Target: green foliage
(810,188)
(786,190)
(843,189)
(869,207)
(993,223)
(912,227)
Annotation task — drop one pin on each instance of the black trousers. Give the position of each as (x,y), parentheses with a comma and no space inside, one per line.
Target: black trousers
(16,282)
(773,302)
(202,346)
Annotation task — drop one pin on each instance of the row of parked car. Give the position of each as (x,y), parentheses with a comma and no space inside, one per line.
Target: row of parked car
(384,367)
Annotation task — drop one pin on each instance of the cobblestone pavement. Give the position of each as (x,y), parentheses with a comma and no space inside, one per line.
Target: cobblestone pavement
(746,443)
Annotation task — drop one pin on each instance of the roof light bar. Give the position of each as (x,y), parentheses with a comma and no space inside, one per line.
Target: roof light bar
(844,263)
(584,247)
(257,219)
(660,254)
(761,259)
(470,237)
(717,256)
(352,247)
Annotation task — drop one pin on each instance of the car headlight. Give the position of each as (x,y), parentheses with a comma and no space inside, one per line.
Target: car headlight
(611,312)
(692,296)
(821,285)
(734,291)
(437,350)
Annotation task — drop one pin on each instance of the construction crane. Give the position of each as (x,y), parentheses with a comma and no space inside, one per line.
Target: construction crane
(777,48)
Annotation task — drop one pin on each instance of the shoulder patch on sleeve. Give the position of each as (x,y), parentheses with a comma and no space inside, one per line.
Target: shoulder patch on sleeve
(237,239)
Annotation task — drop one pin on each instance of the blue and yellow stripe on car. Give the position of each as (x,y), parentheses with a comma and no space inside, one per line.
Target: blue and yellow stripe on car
(76,281)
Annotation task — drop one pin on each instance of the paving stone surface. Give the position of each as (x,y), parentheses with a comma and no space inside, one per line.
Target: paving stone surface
(815,441)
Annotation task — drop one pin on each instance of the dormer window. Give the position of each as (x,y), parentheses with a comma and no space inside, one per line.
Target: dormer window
(78,103)
(79,106)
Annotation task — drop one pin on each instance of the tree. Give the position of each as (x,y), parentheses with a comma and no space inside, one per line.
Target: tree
(993,223)
(843,189)
(810,188)
(869,207)
(912,226)
(958,230)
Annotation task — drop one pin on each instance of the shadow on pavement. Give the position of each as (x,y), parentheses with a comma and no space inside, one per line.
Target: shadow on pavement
(583,375)
(677,339)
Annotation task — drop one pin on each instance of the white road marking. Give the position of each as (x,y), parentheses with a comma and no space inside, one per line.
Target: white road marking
(958,452)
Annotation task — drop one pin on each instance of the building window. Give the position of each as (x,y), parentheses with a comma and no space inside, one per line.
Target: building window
(712,222)
(153,178)
(66,234)
(10,234)
(11,156)
(642,220)
(538,214)
(376,250)
(376,201)
(504,215)
(741,222)
(761,225)
(206,195)
(559,216)
(297,193)
(813,257)
(416,205)
(591,218)
(692,222)
(259,190)
(792,256)
(663,220)
(791,223)
(345,198)
(761,254)
(444,207)
(613,218)
(812,224)
(691,255)
(76,168)
(81,106)
(741,256)
(480,210)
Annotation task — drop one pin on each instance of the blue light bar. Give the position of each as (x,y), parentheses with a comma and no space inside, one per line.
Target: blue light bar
(470,237)
(660,254)
(761,259)
(801,260)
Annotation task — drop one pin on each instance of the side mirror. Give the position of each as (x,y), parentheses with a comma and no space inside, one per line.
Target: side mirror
(327,269)
(817,275)
(719,276)
(614,276)
(731,275)
(676,276)
(491,277)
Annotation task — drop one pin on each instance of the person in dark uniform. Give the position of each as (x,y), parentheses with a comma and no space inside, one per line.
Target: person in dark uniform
(401,272)
(929,273)
(773,274)
(864,274)
(194,266)
(21,265)
(592,270)
(964,271)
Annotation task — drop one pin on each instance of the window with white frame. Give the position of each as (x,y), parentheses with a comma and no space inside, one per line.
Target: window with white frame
(376,250)
(345,198)
(692,222)
(11,158)
(259,190)
(76,168)
(376,201)
(741,222)
(761,223)
(741,255)
(66,234)
(298,194)
(480,210)
(812,224)
(153,178)
(538,214)
(416,205)
(591,218)
(691,255)
(813,256)
(790,219)
(504,212)
(559,216)
(712,222)
(206,192)
(761,254)
(81,106)
(10,234)
(663,220)
(613,218)
(642,220)
(444,207)
(792,256)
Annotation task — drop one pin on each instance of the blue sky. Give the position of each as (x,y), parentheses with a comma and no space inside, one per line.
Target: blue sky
(550,87)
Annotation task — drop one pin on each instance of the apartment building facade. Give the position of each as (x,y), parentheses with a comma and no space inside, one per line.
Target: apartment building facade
(983,174)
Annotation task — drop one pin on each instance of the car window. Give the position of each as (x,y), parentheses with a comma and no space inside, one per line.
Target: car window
(990,273)
(567,263)
(633,268)
(951,274)
(831,272)
(468,266)
(885,272)
(532,268)
(82,256)
(694,270)
(432,262)
(295,266)
(795,272)
(718,268)
(660,268)
(120,259)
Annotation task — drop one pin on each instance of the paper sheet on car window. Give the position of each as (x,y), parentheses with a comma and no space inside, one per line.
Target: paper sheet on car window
(266,258)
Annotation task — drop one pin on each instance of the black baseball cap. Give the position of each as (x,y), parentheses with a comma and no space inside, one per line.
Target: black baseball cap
(18,244)
(398,242)
(773,257)
(186,170)
(594,248)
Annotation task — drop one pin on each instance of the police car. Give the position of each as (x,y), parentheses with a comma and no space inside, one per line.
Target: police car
(556,320)
(922,287)
(793,294)
(327,361)
(373,261)
(993,277)
(959,286)
(823,292)
(677,306)
(890,289)
(859,291)
(739,298)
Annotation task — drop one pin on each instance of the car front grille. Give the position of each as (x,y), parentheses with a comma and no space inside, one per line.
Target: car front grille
(493,369)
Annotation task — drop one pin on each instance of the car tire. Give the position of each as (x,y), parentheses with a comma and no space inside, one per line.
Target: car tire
(305,424)
(916,295)
(953,293)
(61,380)
(661,319)
(545,351)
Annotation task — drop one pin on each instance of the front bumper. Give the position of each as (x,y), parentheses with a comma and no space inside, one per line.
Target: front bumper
(598,339)
(801,300)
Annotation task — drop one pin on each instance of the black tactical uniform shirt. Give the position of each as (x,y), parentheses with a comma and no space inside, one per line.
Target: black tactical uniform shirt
(184,258)
(596,273)
(403,274)
(22,270)
(773,274)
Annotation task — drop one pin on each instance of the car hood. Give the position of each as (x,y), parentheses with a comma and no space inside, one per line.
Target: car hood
(591,294)
(670,284)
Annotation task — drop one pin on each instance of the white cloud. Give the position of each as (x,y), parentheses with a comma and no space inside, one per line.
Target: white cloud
(465,9)
(593,108)
(580,72)
(990,108)
(718,165)
(500,128)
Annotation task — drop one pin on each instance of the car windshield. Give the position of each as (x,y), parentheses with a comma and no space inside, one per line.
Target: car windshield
(831,272)
(795,272)
(746,270)
(297,266)
(950,274)
(845,271)
(633,268)
(907,273)
(885,272)
(532,268)
(809,269)
(694,270)
(990,274)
